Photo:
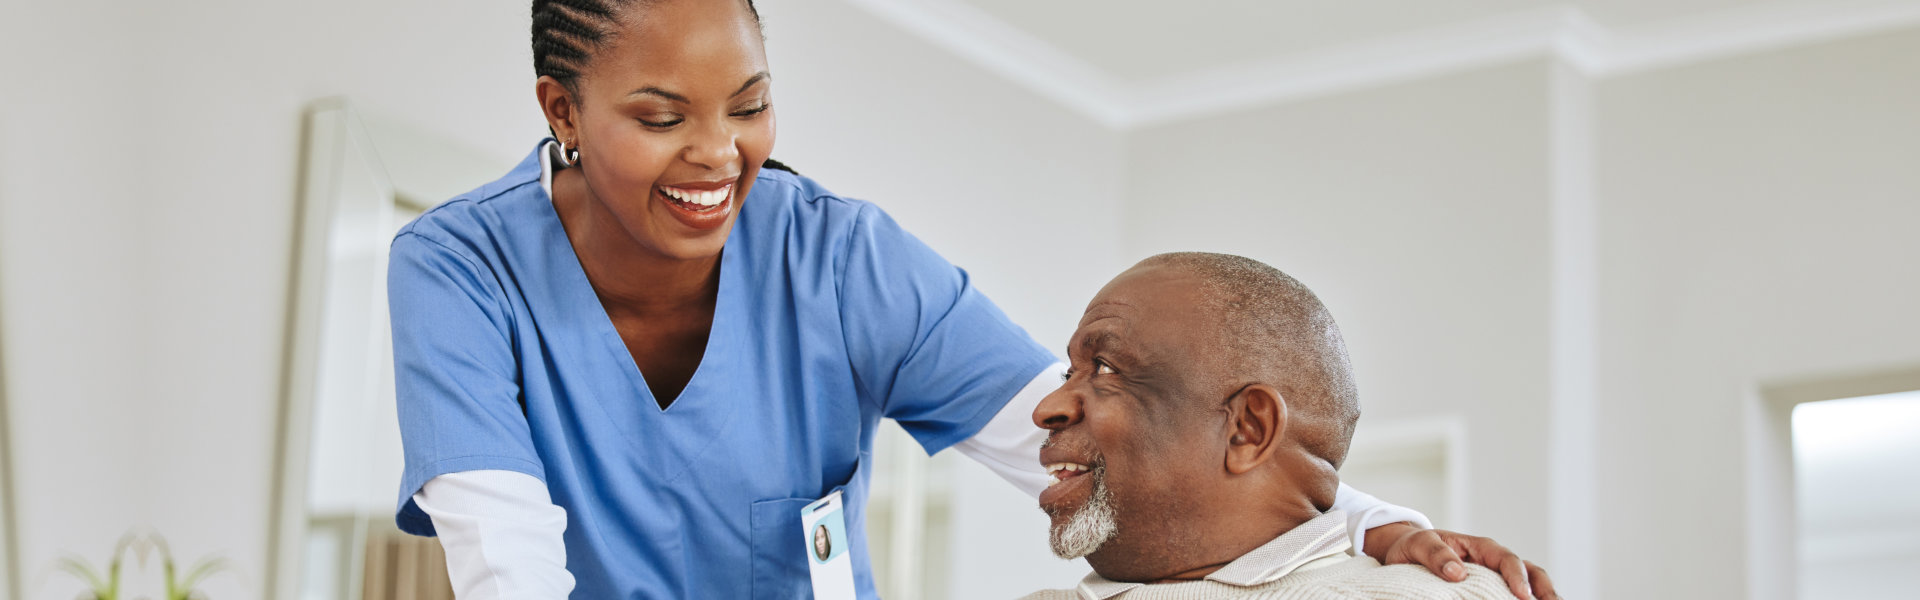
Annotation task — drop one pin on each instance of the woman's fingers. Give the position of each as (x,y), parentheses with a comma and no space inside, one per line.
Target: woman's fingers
(1429,550)
(1542,586)
(1490,554)
(1514,571)
(1446,552)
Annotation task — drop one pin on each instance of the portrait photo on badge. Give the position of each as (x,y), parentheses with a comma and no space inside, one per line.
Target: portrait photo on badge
(828,537)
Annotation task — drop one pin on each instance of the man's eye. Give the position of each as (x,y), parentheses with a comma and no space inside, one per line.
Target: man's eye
(1102,368)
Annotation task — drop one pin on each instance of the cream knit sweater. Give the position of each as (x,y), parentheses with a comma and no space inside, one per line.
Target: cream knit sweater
(1357,577)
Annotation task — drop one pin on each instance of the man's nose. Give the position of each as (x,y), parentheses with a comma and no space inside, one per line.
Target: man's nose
(1059,410)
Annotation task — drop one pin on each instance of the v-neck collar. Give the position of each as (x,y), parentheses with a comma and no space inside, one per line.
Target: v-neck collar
(581,308)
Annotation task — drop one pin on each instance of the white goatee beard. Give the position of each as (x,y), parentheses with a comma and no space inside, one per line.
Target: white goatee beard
(1091,526)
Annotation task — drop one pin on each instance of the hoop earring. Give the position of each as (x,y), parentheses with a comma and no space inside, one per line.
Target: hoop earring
(567,156)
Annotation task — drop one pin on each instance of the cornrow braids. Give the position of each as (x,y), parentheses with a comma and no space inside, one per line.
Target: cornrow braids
(567,32)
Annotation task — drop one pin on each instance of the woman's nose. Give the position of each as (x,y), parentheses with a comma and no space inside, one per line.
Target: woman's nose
(714,147)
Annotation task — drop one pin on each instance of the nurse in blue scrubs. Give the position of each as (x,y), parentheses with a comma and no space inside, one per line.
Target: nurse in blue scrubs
(625,367)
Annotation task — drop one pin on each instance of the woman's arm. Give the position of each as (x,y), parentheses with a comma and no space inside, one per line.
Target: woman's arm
(502,534)
(1009,445)
(1365,513)
(472,475)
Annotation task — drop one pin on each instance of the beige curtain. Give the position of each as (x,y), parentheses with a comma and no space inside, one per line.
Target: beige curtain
(405,567)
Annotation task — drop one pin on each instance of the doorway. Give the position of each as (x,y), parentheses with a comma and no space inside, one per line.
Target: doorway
(1857,496)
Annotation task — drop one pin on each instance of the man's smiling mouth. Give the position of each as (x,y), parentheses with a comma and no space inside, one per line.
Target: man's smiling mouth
(1064,471)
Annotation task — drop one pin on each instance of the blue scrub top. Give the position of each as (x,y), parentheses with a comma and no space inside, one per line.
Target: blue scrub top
(829,317)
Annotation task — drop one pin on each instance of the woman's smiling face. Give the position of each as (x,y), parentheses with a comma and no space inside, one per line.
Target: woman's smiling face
(673,116)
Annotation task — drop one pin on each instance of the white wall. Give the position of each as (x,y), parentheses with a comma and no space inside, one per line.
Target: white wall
(148,206)
(1758,224)
(1418,213)
(233,78)
(1003,183)
(74,337)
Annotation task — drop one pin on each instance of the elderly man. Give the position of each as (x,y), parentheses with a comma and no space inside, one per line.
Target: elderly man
(1196,441)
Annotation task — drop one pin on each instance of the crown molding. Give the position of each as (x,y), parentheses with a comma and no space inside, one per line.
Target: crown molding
(1351,66)
(1564,33)
(1744,30)
(1004,50)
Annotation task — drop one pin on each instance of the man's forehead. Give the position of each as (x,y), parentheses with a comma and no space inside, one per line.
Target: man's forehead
(1148,288)
(1146,301)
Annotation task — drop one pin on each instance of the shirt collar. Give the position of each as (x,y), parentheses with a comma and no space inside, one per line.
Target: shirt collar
(1321,538)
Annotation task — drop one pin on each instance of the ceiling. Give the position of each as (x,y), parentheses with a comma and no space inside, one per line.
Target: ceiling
(1128,63)
(1134,40)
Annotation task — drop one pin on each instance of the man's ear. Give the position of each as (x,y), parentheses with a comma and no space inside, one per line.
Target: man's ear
(560,109)
(1256,419)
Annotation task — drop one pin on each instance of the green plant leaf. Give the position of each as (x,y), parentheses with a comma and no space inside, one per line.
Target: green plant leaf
(80,569)
(203,569)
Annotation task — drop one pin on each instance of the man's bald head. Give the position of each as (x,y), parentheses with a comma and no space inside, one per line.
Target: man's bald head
(1271,329)
(1208,406)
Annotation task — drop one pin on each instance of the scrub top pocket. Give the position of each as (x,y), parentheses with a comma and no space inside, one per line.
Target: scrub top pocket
(780,552)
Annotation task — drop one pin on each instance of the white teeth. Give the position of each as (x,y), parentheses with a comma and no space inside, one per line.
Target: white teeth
(1054,470)
(702,198)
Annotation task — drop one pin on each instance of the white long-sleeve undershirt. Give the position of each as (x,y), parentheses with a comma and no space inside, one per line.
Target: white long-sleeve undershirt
(504,536)
(502,533)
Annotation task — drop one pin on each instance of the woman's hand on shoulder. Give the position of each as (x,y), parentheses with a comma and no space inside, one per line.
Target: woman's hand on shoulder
(1443,551)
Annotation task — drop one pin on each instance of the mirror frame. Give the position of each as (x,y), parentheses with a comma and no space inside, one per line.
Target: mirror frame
(330,128)
(9,543)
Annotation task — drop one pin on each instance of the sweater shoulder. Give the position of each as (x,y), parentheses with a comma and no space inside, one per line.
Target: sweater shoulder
(1411,582)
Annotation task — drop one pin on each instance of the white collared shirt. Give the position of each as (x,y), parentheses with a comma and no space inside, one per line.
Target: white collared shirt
(1308,562)
(1317,543)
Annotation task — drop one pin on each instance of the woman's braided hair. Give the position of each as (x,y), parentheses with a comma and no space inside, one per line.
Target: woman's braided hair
(567,32)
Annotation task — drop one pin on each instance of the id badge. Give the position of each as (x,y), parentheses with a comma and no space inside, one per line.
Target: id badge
(824,524)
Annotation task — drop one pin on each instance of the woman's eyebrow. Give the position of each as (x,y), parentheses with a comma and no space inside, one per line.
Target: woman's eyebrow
(656,91)
(756,78)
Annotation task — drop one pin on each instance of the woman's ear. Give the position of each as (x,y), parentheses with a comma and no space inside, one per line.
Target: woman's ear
(1256,419)
(560,109)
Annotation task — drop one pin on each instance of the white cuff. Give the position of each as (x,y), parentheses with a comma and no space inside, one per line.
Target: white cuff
(1367,512)
(502,533)
(1009,445)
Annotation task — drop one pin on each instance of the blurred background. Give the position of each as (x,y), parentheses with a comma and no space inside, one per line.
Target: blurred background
(1630,285)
